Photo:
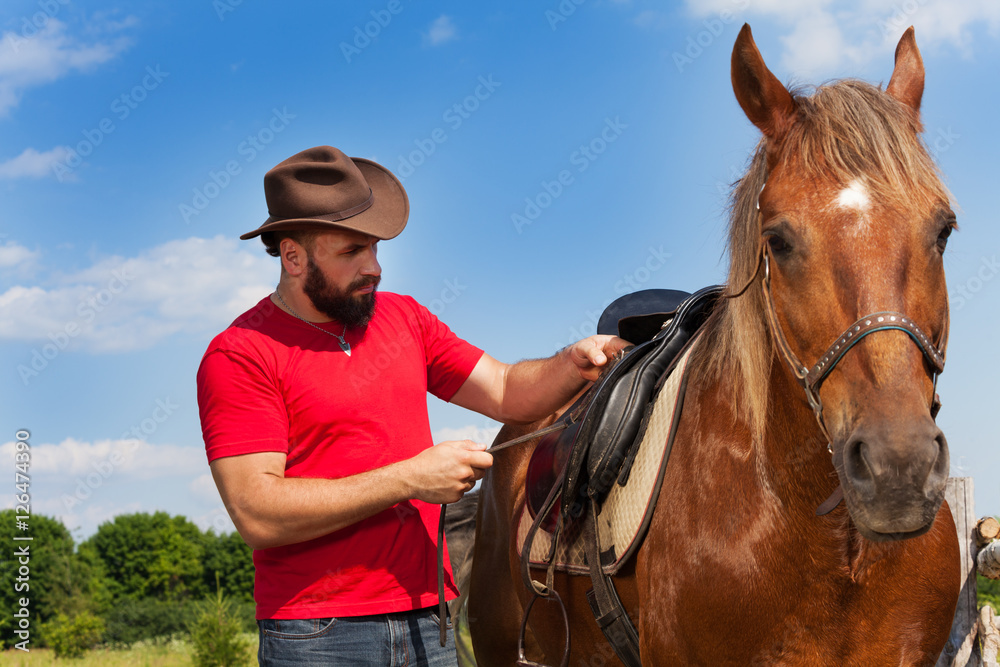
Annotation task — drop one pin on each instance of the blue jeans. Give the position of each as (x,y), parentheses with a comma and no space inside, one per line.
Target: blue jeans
(386,640)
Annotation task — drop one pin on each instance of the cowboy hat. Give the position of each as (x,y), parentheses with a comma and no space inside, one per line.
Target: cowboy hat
(323,188)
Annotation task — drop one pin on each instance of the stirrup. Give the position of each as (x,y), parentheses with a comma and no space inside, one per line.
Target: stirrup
(522,660)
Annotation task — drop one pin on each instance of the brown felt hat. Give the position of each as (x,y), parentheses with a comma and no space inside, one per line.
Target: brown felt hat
(323,188)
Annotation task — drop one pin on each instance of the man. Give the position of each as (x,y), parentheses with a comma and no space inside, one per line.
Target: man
(314,415)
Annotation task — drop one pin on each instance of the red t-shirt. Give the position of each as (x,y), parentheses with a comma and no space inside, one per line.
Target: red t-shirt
(272,383)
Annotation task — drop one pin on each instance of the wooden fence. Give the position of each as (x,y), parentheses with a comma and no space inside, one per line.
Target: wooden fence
(975,634)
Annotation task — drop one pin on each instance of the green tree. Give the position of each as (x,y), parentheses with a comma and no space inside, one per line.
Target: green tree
(229,557)
(150,555)
(58,580)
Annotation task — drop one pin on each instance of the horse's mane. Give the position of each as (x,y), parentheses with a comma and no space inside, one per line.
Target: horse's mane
(844,131)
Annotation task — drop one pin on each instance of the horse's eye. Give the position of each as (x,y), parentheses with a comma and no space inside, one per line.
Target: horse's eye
(777,244)
(942,239)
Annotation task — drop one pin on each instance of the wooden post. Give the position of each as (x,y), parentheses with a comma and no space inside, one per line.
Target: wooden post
(988,560)
(962,649)
(990,633)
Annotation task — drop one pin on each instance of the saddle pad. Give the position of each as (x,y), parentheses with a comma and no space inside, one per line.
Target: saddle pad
(626,511)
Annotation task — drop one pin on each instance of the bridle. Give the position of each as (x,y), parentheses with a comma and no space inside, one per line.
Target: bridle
(811,379)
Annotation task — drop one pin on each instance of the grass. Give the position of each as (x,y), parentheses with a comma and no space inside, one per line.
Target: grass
(176,653)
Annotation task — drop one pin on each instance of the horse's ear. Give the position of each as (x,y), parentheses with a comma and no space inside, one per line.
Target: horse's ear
(907,82)
(765,101)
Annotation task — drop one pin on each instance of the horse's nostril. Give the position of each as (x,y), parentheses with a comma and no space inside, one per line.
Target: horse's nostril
(941,467)
(858,466)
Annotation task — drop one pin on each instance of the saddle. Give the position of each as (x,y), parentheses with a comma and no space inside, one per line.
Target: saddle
(572,471)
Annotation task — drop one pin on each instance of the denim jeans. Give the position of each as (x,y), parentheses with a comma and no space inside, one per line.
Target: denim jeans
(386,640)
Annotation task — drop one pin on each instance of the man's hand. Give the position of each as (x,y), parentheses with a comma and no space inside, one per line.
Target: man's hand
(591,354)
(445,472)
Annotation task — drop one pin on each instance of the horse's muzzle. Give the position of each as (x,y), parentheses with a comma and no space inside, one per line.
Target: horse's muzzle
(894,475)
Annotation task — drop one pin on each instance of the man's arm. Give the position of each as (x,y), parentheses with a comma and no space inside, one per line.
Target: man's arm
(270,510)
(529,390)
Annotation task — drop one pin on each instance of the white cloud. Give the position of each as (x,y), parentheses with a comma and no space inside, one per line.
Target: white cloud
(104,459)
(32,164)
(13,255)
(194,286)
(442,30)
(822,38)
(203,488)
(814,46)
(43,55)
(84,484)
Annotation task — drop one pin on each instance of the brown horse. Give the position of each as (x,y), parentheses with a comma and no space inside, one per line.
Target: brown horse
(840,214)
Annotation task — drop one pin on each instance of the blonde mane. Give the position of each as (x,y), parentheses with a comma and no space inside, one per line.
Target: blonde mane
(845,130)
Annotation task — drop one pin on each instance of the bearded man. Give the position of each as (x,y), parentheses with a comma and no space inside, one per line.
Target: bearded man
(314,414)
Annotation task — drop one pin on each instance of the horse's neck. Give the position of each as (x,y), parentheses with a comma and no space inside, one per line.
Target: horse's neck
(789,462)
(794,449)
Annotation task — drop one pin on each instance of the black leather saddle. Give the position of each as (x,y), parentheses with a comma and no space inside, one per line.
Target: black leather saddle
(598,447)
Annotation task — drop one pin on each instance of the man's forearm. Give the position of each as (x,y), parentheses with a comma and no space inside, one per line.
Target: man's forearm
(538,387)
(530,390)
(271,510)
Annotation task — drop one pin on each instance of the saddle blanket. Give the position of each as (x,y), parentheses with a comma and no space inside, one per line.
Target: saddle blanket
(627,511)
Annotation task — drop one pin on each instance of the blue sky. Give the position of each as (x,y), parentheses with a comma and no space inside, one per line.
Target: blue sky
(556,155)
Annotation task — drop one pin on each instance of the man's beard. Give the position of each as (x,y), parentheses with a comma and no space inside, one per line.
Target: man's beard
(343,306)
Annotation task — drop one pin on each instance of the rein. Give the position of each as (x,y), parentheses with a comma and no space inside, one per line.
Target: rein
(442,605)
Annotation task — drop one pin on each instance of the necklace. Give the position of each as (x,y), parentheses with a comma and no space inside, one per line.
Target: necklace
(344,345)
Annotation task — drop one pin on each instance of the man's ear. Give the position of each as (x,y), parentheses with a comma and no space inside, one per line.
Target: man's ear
(293,257)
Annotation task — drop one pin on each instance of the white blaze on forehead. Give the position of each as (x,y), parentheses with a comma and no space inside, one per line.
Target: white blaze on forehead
(854,196)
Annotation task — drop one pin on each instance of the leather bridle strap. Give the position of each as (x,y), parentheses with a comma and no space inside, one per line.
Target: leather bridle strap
(812,378)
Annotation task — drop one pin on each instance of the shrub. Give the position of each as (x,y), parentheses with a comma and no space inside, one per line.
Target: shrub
(129,621)
(216,634)
(71,637)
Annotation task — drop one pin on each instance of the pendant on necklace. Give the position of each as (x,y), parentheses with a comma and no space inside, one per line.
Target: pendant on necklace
(344,345)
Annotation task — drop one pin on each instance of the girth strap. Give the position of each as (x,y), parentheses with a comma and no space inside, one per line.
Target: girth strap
(611,615)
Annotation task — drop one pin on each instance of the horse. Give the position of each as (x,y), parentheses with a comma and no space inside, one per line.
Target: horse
(840,219)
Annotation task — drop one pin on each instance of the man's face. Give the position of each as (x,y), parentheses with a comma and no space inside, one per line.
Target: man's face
(342,276)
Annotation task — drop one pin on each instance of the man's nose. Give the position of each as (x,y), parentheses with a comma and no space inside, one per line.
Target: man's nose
(372,267)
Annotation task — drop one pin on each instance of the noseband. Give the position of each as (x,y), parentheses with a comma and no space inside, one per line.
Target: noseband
(812,378)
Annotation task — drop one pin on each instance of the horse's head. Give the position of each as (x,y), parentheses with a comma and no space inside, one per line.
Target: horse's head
(853,221)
